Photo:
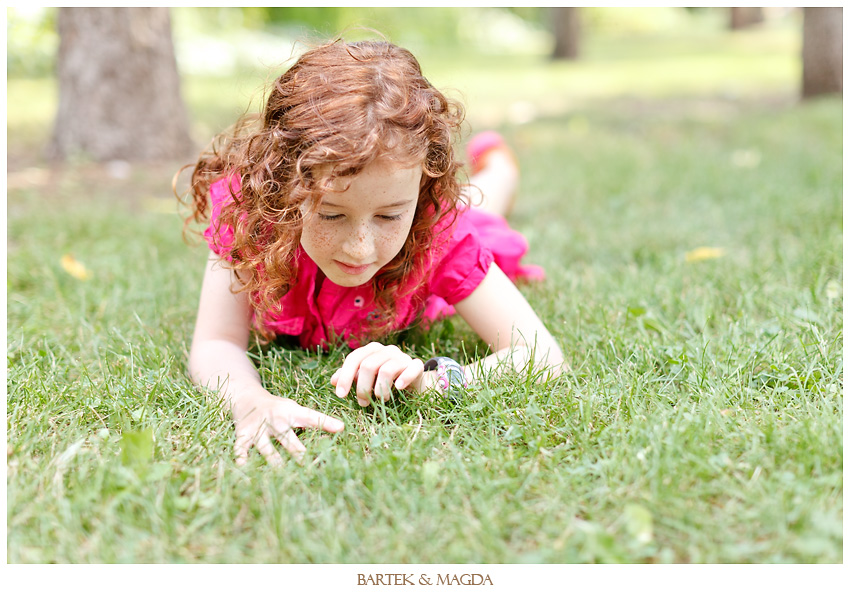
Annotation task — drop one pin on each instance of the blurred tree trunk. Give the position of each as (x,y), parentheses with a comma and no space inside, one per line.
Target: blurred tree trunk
(567,29)
(119,91)
(746,16)
(823,60)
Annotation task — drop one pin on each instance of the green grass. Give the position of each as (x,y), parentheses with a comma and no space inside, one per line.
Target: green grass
(702,421)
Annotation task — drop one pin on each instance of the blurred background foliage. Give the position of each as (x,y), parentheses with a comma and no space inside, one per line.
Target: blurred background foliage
(497,61)
(31,41)
(222,40)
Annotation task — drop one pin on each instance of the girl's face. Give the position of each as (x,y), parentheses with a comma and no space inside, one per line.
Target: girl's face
(354,233)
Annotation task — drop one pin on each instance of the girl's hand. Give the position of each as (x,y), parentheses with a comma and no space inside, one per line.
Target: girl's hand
(262,417)
(378,368)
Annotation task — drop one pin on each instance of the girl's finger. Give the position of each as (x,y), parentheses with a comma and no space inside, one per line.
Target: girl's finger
(368,373)
(264,446)
(387,375)
(242,445)
(410,374)
(307,418)
(292,444)
(240,448)
(345,376)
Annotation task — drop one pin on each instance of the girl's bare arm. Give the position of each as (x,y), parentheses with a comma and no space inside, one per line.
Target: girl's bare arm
(218,358)
(503,318)
(218,361)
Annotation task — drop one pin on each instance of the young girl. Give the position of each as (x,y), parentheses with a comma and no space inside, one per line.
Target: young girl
(339,217)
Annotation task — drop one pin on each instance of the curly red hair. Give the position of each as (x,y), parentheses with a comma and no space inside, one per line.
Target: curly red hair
(340,107)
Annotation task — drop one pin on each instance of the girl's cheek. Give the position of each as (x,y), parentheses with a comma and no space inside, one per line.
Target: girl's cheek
(319,235)
(397,236)
(323,239)
(394,237)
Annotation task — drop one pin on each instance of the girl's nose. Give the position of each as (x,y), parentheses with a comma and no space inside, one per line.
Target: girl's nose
(359,245)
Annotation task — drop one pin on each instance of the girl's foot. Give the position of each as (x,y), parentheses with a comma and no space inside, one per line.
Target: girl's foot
(495,173)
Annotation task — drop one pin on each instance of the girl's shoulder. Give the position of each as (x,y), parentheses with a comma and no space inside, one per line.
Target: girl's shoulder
(219,234)
(455,231)
(458,259)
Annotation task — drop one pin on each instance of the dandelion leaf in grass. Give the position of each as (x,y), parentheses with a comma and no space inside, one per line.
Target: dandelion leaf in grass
(137,447)
(477,406)
(652,324)
(377,441)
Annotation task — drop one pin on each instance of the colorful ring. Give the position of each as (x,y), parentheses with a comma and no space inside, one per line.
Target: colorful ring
(450,376)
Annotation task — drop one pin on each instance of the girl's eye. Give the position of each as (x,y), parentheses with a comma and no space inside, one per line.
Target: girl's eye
(324,217)
(390,217)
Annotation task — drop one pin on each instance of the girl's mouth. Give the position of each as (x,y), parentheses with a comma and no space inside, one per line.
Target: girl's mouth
(352,269)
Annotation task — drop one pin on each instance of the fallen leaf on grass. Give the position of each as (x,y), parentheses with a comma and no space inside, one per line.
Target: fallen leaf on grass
(746,158)
(638,523)
(62,464)
(66,456)
(74,268)
(704,253)
(29,178)
(430,474)
(833,290)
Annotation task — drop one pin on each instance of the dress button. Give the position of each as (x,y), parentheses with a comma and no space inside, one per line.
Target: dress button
(358,301)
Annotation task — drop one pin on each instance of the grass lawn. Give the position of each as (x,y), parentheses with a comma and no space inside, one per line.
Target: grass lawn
(693,245)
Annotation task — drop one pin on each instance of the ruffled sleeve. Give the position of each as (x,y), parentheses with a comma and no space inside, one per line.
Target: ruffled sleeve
(219,235)
(461,264)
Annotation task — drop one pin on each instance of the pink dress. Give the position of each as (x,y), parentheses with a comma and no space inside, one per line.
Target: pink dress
(460,257)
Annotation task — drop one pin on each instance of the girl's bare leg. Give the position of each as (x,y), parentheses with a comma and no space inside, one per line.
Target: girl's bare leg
(493,187)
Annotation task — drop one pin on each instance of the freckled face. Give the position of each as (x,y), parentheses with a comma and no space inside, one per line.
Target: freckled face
(354,233)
